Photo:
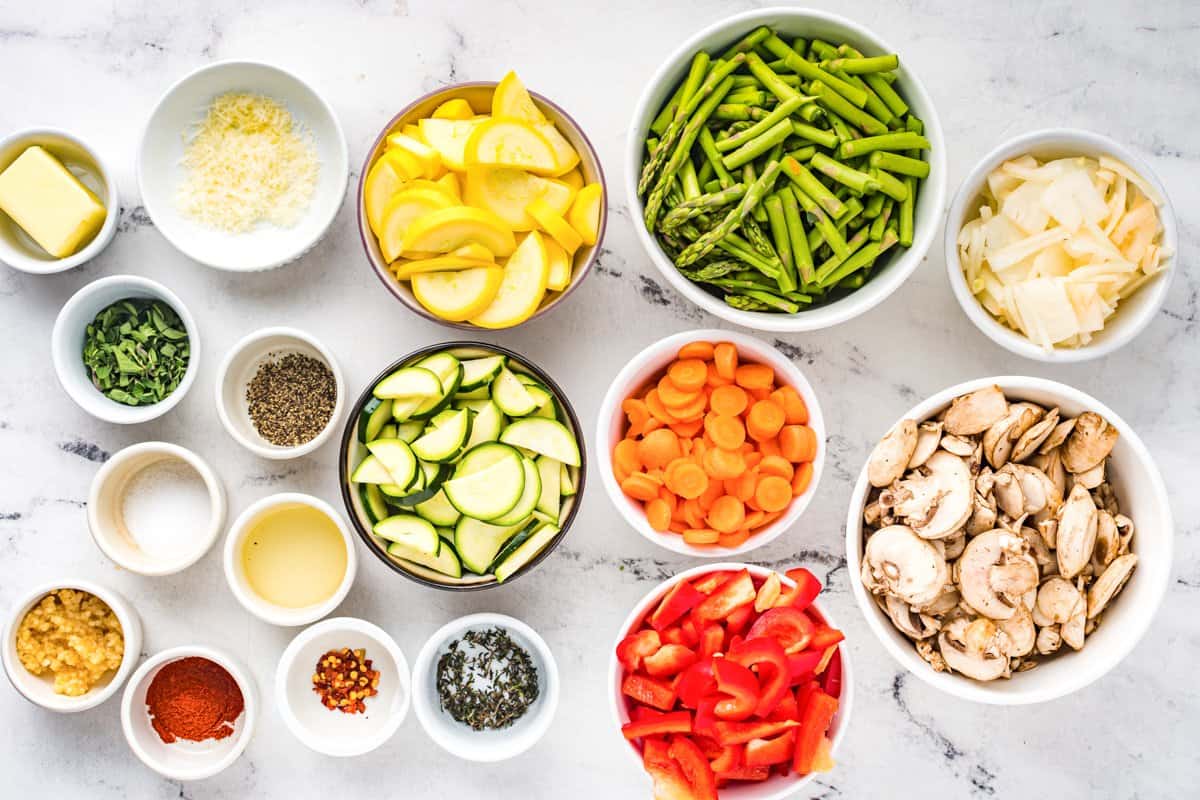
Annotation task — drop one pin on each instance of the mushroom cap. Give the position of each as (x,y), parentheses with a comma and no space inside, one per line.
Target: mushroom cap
(891,455)
(969,661)
(942,500)
(1075,539)
(1021,632)
(897,561)
(929,434)
(1089,443)
(994,571)
(1048,640)
(908,620)
(1109,583)
(975,412)
(1057,601)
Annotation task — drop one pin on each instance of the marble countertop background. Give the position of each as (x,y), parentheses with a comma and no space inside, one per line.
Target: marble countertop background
(1127,69)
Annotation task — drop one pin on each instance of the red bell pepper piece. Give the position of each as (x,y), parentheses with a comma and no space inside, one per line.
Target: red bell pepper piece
(690,631)
(774,675)
(739,619)
(729,758)
(742,732)
(737,591)
(707,745)
(787,708)
(636,646)
(680,599)
(671,659)
(695,682)
(824,636)
(745,774)
(803,593)
(803,666)
(789,626)
(712,639)
(739,686)
(695,767)
(648,691)
(711,581)
(706,717)
(655,724)
(832,680)
(673,635)
(670,783)
(815,717)
(776,750)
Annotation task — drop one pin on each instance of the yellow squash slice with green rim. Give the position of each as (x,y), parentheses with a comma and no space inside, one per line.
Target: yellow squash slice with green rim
(406,206)
(560,266)
(510,143)
(457,108)
(431,162)
(448,229)
(512,100)
(449,137)
(405,269)
(507,192)
(386,176)
(584,215)
(553,223)
(525,277)
(458,295)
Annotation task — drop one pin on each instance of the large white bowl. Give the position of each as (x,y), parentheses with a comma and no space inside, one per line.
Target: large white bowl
(777,786)
(1143,498)
(160,170)
(650,363)
(808,23)
(1133,314)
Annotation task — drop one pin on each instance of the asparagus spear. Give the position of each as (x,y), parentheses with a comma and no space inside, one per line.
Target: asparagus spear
(801,255)
(754,195)
(812,72)
(807,182)
(781,112)
(863,66)
(860,182)
(758,145)
(783,244)
(833,101)
(900,140)
(902,165)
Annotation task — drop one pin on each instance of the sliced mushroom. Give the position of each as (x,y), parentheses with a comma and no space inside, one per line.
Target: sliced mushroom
(942,500)
(1089,443)
(976,412)
(983,516)
(994,571)
(1048,528)
(1108,541)
(1109,583)
(1039,492)
(1048,640)
(944,603)
(1073,630)
(1000,439)
(958,445)
(899,562)
(1021,633)
(1057,601)
(1033,438)
(911,622)
(1090,479)
(970,661)
(1125,531)
(1007,491)
(928,436)
(1076,537)
(953,546)
(1058,435)
(890,457)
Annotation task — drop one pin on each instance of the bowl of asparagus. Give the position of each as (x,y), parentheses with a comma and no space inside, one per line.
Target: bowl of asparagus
(788,169)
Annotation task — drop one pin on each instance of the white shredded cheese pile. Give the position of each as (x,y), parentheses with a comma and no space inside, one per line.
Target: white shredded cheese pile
(248,162)
(1057,245)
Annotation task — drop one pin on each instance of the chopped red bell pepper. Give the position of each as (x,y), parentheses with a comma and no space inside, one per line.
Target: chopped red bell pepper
(707,745)
(695,682)
(695,767)
(648,691)
(706,718)
(776,750)
(787,708)
(745,774)
(690,631)
(711,581)
(832,680)
(739,619)
(680,599)
(671,659)
(712,639)
(815,717)
(737,591)
(774,675)
(803,593)
(729,758)
(739,686)
(670,782)
(656,724)
(742,732)
(636,646)
(789,626)
(824,636)
(656,750)
(803,666)
(672,635)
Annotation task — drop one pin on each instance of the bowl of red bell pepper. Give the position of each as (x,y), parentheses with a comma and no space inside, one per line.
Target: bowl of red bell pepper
(730,681)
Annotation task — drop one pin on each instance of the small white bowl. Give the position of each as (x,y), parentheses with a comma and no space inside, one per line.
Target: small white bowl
(184,760)
(808,23)
(776,787)
(492,745)
(648,365)
(332,732)
(1133,314)
(105,508)
(40,689)
(20,251)
(235,574)
(160,170)
(238,368)
(1143,498)
(70,331)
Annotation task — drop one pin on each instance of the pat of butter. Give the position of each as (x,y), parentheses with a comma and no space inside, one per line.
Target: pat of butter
(49,203)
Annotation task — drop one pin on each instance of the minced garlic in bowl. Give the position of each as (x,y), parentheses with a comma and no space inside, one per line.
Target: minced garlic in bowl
(75,636)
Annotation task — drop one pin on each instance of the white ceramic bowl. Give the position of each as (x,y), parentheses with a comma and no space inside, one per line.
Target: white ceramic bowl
(70,331)
(238,369)
(808,23)
(160,170)
(1132,315)
(106,519)
(648,365)
(235,574)
(332,732)
(1143,498)
(20,251)
(184,760)
(457,738)
(777,786)
(40,689)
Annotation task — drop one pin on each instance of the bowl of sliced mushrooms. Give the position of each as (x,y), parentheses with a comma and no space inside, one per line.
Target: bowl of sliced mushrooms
(1011,538)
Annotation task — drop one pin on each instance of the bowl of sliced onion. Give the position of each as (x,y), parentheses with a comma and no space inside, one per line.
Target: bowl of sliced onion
(1060,245)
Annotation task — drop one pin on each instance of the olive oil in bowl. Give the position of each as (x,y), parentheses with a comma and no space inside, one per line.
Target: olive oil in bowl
(294,556)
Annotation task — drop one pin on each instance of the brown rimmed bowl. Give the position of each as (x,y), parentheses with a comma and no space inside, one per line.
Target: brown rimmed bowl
(479,95)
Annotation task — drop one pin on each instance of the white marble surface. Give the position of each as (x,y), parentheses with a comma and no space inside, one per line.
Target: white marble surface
(1126,69)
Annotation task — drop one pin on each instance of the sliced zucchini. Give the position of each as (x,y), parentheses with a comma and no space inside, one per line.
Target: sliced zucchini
(486,425)
(479,542)
(474,405)
(550,477)
(447,535)
(390,431)
(409,382)
(441,418)
(567,482)
(434,476)
(373,503)
(445,561)
(398,459)
(518,540)
(541,396)
(444,443)
(375,414)
(545,437)
(511,395)
(481,393)
(371,470)
(409,431)
(479,372)
(529,496)
(448,370)
(404,407)
(483,456)
(489,493)
(411,531)
(536,543)
(438,510)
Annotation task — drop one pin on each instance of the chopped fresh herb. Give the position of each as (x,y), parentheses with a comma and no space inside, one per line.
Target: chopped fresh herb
(136,351)
(486,680)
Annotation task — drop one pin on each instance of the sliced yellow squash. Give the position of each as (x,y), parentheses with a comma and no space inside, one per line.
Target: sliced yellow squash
(574,179)
(450,228)
(507,192)
(414,131)
(565,156)
(457,295)
(512,100)
(385,177)
(584,215)
(560,266)
(509,143)
(405,269)
(407,205)
(524,285)
(554,224)
(436,186)
(449,182)
(475,251)
(449,137)
(431,162)
(458,108)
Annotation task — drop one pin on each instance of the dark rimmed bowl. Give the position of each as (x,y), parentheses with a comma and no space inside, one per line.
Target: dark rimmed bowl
(351,452)
(479,95)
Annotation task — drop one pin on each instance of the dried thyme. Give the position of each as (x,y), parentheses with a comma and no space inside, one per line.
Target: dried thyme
(486,680)
(291,399)
(136,351)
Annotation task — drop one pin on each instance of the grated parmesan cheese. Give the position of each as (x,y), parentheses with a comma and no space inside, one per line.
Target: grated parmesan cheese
(248,162)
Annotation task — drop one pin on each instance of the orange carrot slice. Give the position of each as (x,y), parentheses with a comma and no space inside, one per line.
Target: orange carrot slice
(686,430)
(668,497)
(730,400)
(658,448)
(726,432)
(725,356)
(769,447)
(754,519)
(700,350)
(773,493)
(743,485)
(658,514)
(764,420)
(693,410)
(701,536)
(715,378)
(687,480)
(655,404)
(798,443)
(802,478)
(689,374)
(641,486)
(726,514)
(637,412)
(754,376)
(777,465)
(793,405)
(625,456)
(735,539)
(722,464)
(672,395)
(693,513)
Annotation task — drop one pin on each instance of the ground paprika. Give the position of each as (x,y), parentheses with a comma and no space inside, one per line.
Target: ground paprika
(194,699)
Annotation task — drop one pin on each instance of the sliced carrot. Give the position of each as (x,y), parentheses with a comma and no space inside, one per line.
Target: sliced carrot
(700,446)
(758,395)
(725,356)
(640,486)
(754,519)
(672,395)
(777,465)
(689,374)
(655,404)
(769,518)
(773,493)
(637,413)
(793,405)
(743,485)
(735,539)
(668,497)
(715,378)
(620,474)
(726,432)
(701,536)
(658,448)
(700,350)
(656,474)
(753,459)
(715,490)
(764,421)
(802,478)
(658,514)
(769,447)
(726,514)
(754,376)
(686,430)
(652,424)
(693,410)
(724,464)
(687,480)
(798,443)
(730,400)
(685,444)
(693,513)
(678,526)
(625,456)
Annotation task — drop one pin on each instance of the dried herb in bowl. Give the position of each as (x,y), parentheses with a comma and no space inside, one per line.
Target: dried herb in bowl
(136,351)
(486,680)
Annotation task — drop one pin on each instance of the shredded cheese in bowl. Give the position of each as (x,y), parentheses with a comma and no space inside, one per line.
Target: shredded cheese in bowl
(248,162)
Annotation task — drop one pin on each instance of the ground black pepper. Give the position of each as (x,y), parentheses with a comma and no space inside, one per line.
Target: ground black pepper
(291,399)
(486,680)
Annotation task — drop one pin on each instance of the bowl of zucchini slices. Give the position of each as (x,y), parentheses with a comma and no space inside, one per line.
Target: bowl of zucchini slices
(462,465)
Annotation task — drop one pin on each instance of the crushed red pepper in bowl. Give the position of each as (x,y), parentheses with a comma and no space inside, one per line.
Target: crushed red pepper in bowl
(344,680)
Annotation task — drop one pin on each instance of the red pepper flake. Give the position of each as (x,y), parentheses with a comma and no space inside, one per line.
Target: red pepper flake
(344,680)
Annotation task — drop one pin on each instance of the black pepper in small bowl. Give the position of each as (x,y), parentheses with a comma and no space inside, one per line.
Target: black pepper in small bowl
(291,399)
